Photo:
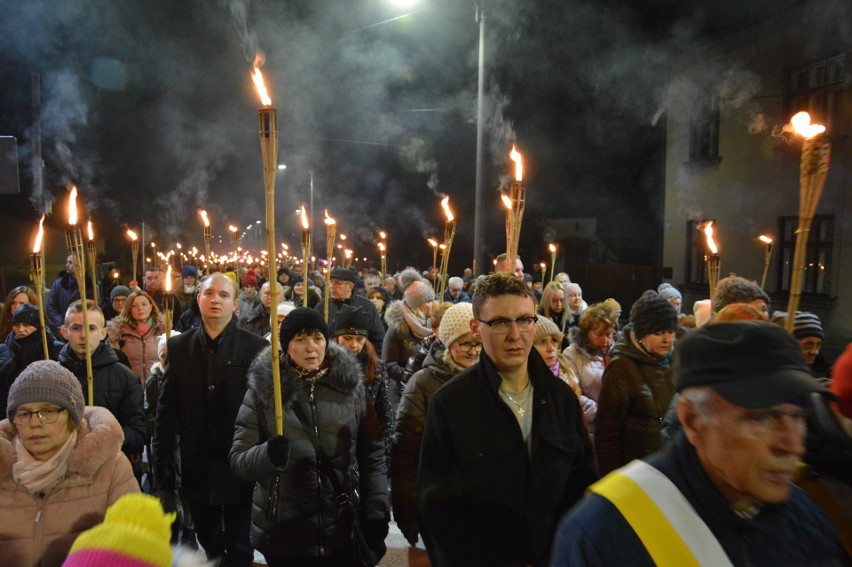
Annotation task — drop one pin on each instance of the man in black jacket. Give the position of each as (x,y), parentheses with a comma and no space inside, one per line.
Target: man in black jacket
(116,387)
(505,452)
(256,320)
(342,286)
(203,388)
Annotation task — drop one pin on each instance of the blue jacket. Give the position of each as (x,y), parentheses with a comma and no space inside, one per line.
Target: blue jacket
(62,293)
(794,533)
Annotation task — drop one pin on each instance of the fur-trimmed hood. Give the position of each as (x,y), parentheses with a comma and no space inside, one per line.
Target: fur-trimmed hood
(394,317)
(344,374)
(99,439)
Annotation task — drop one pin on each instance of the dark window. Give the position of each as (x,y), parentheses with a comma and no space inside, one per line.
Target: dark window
(817,88)
(704,130)
(818,258)
(696,251)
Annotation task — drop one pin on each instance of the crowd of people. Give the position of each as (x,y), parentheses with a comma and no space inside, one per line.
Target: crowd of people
(502,424)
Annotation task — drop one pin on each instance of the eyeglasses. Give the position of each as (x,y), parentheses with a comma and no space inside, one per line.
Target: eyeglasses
(452,290)
(501,326)
(45,415)
(468,346)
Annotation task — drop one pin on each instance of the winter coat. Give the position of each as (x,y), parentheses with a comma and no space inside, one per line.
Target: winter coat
(486,496)
(189,319)
(378,391)
(295,510)
(203,388)
(248,303)
(410,421)
(39,529)
(398,346)
(314,297)
(141,349)
(636,391)
(117,389)
(375,329)
(256,320)
(62,293)
(184,298)
(21,353)
(797,532)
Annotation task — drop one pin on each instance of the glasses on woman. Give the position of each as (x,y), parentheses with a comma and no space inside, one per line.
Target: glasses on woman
(469,346)
(45,415)
(501,326)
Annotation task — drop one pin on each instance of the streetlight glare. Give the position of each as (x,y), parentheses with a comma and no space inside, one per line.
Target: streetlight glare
(404,3)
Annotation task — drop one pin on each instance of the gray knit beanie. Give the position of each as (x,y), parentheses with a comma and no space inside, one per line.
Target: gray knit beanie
(119,291)
(418,293)
(47,381)
(651,314)
(734,289)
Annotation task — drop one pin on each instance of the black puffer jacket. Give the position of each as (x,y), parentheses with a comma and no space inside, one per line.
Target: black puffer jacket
(117,389)
(294,508)
(410,420)
(636,391)
(22,353)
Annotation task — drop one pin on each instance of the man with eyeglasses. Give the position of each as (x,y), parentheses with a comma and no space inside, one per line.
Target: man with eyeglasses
(455,291)
(722,493)
(342,287)
(504,453)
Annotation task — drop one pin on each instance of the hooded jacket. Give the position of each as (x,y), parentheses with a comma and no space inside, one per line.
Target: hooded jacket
(587,362)
(117,389)
(39,529)
(636,391)
(295,510)
(410,421)
(399,343)
(141,350)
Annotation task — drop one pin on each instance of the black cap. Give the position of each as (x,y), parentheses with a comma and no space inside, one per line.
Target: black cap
(652,313)
(752,364)
(301,319)
(351,321)
(344,274)
(27,314)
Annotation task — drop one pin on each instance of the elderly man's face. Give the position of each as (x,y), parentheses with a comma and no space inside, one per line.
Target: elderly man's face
(749,455)
(341,289)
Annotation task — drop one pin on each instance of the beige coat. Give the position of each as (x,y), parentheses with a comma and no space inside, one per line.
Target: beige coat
(39,530)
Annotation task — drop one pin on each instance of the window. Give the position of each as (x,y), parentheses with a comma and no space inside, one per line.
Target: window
(704,130)
(696,250)
(818,258)
(818,89)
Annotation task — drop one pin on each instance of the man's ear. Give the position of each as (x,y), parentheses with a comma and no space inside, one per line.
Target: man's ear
(474,328)
(690,420)
(64,332)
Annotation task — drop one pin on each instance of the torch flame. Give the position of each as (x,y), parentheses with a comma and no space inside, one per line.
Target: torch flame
(382,246)
(232,228)
(542,265)
(328,219)
(257,77)
(519,164)
(708,230)
(169,279)
(131,234)
(507,202)
(382,234)
(442,246)
(91,232)
(347,253)
(72,206)
(305,224)
(765,239)
(432,242)
(800,124)
(39,236)
(552,248)
(204,218)
(445,202)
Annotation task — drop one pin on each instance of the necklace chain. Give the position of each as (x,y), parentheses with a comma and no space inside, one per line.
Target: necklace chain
(518,404)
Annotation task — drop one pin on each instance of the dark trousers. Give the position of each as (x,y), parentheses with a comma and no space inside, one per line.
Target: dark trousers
(223,532)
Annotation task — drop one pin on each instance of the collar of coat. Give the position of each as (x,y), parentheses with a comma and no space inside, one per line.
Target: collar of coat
(99,440)
(344,374)
(538,370)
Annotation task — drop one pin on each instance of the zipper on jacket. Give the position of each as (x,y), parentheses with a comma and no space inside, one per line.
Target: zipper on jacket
(320,515)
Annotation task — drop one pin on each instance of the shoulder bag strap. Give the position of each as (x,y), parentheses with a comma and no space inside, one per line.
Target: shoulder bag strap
(663,519)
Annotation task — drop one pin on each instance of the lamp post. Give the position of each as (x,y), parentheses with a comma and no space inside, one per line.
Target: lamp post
(478,213)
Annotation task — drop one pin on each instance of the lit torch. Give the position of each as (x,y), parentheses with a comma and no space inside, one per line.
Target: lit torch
(236,233)
(77,250)
(331,236)
(208,234)
(518,202)
(714,261)
(813,170)
(449,234)
(268,128)
(552,248)
(434,244)
(347,253)
(767,255)
(92,260)
(168,302)
(507,203)
(134,254)
(306,248)
(37,266)
(384,248)
(543,273)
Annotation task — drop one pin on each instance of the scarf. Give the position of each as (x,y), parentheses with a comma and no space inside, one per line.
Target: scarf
(42,476)
(447,358)
(416,324)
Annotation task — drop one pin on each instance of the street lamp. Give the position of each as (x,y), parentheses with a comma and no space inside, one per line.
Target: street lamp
(478,213)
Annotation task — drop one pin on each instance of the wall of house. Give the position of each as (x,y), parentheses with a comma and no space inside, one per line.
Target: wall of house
(757,180)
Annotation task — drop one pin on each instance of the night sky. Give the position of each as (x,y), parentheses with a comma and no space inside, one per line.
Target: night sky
(148,107)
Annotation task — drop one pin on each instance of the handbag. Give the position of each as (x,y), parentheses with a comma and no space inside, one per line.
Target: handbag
(364,554)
